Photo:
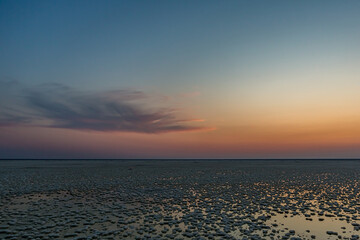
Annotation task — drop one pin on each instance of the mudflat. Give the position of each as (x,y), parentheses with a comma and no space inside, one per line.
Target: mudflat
(179,199)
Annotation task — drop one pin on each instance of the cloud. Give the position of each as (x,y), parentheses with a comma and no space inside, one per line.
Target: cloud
(58,106)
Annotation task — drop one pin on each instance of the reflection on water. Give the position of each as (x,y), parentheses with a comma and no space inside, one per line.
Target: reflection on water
(181,200)
(306,228)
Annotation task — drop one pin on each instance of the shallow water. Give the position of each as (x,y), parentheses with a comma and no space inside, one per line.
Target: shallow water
(222,199)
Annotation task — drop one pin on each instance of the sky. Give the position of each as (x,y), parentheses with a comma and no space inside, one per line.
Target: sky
(179,79)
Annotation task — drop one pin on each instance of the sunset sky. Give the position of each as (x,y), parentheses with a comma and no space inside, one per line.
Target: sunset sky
(179,79)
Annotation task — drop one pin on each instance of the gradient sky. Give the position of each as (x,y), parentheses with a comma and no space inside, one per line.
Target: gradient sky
(179,79)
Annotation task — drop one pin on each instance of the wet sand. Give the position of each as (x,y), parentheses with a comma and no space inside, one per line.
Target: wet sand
(222,199)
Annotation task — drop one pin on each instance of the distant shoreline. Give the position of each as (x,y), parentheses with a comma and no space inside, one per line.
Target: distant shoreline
(180,159)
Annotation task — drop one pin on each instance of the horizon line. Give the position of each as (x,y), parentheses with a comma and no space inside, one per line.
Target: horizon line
(176,159)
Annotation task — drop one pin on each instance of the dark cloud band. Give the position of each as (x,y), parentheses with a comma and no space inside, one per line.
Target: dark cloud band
(58,106)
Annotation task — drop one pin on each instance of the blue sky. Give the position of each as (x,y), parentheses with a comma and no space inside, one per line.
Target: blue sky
(259,64)
(147,43)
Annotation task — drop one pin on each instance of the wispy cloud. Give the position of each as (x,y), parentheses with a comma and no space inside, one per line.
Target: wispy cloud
(58,106)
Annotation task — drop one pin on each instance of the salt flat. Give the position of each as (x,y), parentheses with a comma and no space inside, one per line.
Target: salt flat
(182,199)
